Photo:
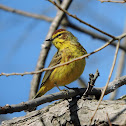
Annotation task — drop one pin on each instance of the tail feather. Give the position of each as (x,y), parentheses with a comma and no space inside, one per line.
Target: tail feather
(43,90)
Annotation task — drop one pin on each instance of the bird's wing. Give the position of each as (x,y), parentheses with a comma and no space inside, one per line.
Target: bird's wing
(55,60)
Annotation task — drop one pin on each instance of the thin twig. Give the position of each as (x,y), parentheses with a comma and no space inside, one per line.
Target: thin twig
(74,16)
(111,71)
(92,34)
(42,17)
(84,30)
(112,1)
(120,66)
(109,122)
(66,63)
(24,13)
(92,78)
(68,23)
(61,95)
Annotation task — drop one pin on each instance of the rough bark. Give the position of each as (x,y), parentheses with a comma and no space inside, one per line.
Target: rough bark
(74,112)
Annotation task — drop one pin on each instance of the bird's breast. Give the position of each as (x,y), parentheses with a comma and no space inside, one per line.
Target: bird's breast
(68,73)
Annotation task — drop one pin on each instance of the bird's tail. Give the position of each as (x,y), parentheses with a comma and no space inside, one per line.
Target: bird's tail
(43,90)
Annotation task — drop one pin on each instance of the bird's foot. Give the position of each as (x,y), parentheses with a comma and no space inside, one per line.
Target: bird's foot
(70,88)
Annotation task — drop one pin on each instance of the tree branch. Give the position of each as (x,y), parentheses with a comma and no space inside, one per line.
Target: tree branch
(75,17)
(105,88)
(24,13)
(79,58)
(68,23)
(92,79)
(120,66)
(66,63)
(92,34)
(45,48)
(74,112)
(102,1)
(61,95)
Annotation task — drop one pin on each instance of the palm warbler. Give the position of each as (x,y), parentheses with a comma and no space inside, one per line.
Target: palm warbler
(68,49)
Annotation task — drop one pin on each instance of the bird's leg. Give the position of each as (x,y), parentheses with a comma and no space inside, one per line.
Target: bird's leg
(70,88)
(67,87)
(57,86)
(60,89)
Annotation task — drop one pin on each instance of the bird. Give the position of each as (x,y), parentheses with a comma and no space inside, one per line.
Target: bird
(68,49)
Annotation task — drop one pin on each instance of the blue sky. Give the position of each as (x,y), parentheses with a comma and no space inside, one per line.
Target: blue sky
(21,38)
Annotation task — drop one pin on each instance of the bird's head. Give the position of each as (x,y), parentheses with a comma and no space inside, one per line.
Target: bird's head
(61,37)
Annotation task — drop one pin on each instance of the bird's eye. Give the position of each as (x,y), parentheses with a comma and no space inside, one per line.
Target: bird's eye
(59,35)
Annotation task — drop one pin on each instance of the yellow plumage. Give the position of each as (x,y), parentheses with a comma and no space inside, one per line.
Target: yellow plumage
(68,48)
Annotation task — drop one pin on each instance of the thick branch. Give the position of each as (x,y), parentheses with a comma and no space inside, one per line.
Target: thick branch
(45,48)
(74,112)
(118,82)
(61,95)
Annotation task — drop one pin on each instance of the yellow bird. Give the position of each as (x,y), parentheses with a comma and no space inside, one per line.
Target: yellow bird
(68,48)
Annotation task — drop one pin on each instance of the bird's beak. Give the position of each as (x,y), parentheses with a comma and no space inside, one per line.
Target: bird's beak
(49,39)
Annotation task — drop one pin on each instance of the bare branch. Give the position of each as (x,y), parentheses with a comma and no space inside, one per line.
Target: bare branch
(92,78)
(109,122)
(42,17)
(68,23)
(74,16)
(74,112)
(27,14)
(105,88)
(102,1)
(79,58)
(120,66)
(61,95)
(118,82)
(66,63)
(45,48)
(93,34)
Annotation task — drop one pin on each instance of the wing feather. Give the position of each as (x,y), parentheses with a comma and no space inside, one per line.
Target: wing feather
(55,60)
